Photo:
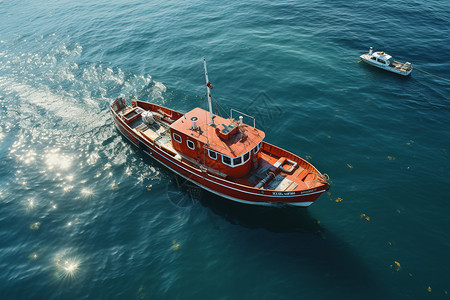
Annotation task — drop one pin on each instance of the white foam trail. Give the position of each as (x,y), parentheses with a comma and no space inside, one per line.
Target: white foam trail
(60,105)
(55,82)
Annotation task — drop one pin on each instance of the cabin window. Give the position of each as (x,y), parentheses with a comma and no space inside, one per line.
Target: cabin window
(212,154)
(246,156)
(226,160)
(373,58)
(177,138)
(380,61)
(256,149)
(237,161)
(190,144)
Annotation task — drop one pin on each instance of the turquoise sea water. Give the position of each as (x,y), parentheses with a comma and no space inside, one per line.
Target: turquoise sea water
(83,214)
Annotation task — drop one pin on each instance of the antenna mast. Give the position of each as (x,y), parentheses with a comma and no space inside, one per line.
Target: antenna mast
(208,92)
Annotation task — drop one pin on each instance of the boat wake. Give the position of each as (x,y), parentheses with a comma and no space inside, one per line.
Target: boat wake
(53,120)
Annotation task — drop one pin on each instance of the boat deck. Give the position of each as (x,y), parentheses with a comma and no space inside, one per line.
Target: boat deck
(303,177)
(405,67)
(157,133)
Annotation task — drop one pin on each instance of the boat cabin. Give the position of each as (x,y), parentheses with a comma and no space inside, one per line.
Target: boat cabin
(227,146)
(381,57)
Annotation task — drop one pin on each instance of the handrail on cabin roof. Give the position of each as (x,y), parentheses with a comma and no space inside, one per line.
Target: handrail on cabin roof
(254,120)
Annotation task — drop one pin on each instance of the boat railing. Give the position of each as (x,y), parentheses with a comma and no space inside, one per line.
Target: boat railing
(241,113)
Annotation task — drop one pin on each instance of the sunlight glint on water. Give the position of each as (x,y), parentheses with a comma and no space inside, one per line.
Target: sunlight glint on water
(86,215)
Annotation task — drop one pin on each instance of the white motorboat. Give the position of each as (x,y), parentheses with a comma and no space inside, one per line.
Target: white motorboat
(384,61)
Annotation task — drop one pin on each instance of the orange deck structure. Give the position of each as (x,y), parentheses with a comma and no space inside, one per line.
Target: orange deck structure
(225,146)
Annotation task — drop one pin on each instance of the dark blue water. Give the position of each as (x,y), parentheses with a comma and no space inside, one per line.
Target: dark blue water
(86,215)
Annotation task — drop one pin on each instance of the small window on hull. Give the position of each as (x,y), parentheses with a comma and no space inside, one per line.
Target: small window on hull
(212,154)
(190,144)
(177,138)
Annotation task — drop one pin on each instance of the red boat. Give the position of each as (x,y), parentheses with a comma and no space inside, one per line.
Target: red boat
(223,156)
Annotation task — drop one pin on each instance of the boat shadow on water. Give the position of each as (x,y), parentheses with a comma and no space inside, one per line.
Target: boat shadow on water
(291,235)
